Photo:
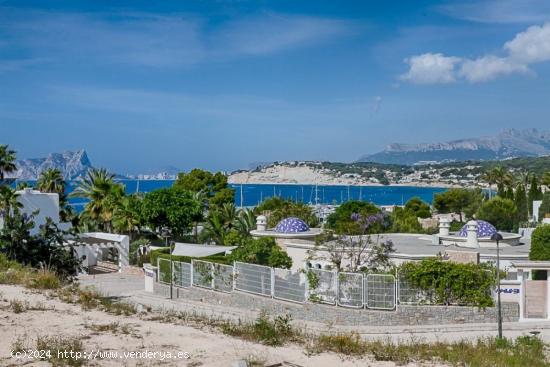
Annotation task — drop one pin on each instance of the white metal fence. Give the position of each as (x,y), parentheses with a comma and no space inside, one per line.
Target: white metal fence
(181,274)
(323,286)
(223,277)
(203,274)
(289,286)
(253,278)
(410,295)
(380,291)
(350,290)
(353,290)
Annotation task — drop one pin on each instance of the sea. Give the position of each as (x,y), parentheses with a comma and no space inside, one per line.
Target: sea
(250,195)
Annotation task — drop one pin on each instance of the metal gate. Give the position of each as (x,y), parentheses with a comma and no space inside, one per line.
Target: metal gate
(536,299)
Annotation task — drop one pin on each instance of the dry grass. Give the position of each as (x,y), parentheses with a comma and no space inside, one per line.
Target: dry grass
(90,300)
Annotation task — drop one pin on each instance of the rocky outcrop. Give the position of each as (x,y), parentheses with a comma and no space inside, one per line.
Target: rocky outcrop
(71,164)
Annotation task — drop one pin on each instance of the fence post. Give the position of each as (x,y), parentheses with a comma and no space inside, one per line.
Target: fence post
(212,271)
(306,291)
(337,280)
(397,286)
(272,270)
(191,273)
(366,291)
(158,269)
(234,280)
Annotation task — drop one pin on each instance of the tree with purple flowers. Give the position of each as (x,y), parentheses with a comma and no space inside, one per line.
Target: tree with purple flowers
(353,253)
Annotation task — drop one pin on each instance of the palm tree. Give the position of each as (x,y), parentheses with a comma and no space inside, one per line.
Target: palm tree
(103,194)
(489,177)
(245,222)
(7,161)
(228,215)
(215,228)
(8,201)
(126,216)
(502,178)
(51,180)
(23,185)
(201,200)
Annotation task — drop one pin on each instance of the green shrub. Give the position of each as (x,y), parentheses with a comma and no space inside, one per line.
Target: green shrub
(419,207)
(446,282)
(274,332)
(342,214)
(405,221)
(540,243)
(43,279)
(262,251)
(544,208)
(499,212)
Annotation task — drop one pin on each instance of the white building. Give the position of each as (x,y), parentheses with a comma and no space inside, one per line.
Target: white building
(46,204)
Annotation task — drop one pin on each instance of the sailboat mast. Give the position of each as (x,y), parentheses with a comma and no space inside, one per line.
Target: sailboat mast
(241,196)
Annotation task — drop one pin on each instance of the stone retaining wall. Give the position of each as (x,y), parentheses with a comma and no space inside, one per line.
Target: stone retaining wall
(320,313)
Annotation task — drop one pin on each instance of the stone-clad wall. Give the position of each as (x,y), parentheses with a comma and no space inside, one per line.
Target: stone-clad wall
(403,315)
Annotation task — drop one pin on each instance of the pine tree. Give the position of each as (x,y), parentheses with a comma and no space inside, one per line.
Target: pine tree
(521,204)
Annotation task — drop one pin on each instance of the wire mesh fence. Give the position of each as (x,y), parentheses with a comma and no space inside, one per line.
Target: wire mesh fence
(203,274)
(182,274)
(354,290)
(289,285)
(350,290)
(223,277)
(380,291)
(163,266)
(253,278)
(408,294)
(323,286)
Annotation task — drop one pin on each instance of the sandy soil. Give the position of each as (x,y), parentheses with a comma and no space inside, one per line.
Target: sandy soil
(52,317)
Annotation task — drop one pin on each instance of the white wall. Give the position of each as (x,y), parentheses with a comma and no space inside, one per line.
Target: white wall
(46,203)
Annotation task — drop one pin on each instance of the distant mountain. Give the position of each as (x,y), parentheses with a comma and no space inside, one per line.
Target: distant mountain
(71,164)
(509,143)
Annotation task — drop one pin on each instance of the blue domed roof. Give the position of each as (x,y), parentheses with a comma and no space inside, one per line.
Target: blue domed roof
(291,225)
(484,229)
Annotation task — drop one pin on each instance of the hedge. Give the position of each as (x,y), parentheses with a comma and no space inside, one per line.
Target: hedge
(450,283)
(540,243)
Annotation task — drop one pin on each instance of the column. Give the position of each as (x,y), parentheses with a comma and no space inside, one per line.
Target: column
(521,294)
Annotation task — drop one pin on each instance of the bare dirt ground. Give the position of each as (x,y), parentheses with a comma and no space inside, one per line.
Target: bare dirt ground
(43,316)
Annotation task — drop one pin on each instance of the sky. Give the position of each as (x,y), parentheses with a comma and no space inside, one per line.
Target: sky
(146,85)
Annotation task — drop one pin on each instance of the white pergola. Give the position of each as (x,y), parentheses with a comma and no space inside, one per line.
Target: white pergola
(88,246)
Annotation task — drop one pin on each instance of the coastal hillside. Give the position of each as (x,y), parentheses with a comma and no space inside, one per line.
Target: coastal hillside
(464,174)
(509,143)
(71,164)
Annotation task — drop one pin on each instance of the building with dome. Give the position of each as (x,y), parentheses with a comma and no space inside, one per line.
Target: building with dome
(290,228)
(474,234)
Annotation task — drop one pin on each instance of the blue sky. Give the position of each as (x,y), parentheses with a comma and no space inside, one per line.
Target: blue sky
(142,85)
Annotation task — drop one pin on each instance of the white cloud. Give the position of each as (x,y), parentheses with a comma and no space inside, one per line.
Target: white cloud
(146,39)
(498,11)
(488,68)
(528,47)
(431,68)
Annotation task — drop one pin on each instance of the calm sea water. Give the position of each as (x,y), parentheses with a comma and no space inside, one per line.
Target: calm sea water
(254,194)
